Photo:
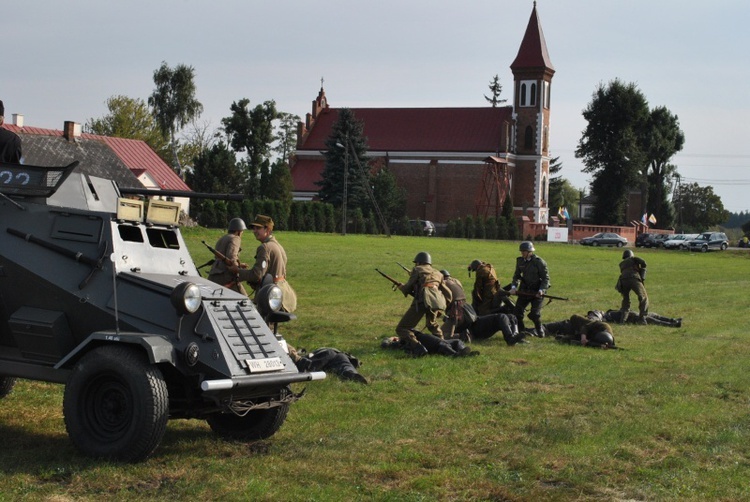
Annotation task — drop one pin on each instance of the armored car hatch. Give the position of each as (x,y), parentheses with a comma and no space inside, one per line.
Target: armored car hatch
(99,292)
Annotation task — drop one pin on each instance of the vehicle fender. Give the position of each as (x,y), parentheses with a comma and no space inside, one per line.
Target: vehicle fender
(158,349)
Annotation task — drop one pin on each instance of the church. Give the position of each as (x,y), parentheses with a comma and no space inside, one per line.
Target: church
(453,162)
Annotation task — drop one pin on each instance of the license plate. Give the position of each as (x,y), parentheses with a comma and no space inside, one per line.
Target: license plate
(263,365)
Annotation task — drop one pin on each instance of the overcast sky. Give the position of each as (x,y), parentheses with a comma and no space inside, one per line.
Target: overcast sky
(62,60)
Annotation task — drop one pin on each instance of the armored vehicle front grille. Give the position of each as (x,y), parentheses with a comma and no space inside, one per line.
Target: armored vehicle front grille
(245,332)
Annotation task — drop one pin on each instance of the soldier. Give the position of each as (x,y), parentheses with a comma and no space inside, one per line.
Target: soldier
(487,325)
(530,282)
(486,286)
(226,272)
(433,345)
(270,263)
(431,298)
(583,331)
(454,313)
(632,317)
(632,277)
(329,360)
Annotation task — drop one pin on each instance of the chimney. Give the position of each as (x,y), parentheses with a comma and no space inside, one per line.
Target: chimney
(18,119)
(71,130)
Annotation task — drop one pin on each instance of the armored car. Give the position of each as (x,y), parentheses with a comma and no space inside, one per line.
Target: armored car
(98,292)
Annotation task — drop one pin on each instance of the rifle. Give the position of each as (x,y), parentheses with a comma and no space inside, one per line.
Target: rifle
(222,257)
(396,284)
(503,292)
(407,270)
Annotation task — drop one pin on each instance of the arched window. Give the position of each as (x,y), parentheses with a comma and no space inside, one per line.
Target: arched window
(522,101)
(528,138)
(532,100)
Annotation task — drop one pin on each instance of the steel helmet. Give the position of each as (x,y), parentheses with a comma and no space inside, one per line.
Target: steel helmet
(603,339)
(526,246)
(445,273)
(236,224)
(423,257)
(627,254)
(473,266)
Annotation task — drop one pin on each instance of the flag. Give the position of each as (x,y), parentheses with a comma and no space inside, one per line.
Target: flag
(560,212)
(567,214)
(652,219)
(644,219)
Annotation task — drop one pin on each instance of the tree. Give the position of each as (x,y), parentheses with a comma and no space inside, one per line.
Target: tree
(612,147)
(280,183)
(130,118)
(286,135)
(173,103)
(391,198)
(662,141)
(495,89)
(700,208)
(251,131)
(345,142)
(216,171)
(561,192)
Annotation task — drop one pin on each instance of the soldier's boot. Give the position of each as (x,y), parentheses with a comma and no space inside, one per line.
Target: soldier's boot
(446,350)
(354,377)
(416,350)
(539,329)
(624,315)
(642,319)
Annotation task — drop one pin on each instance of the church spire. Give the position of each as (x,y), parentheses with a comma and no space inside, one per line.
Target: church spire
(533,51)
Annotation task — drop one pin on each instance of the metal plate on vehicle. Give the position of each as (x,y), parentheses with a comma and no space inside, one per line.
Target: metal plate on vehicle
(264,365)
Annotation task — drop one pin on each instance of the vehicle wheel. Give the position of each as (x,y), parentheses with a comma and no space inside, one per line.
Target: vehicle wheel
(595,243)
(682,247)
(723,246)
(619,244)
(6,385)
(116,405)
(256,424)
(704,248)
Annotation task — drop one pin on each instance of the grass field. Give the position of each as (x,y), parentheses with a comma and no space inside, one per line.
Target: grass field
(666,418)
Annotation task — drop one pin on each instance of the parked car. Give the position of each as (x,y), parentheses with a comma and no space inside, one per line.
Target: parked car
(659,240)
(645,240)
(709,240)
(605,239)
(678,241)
(422,227)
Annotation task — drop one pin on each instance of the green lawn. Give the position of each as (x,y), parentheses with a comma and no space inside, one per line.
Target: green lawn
(666,418)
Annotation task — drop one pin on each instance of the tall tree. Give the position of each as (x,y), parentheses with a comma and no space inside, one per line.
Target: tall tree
(280,183)
(251,131)
(173,103)
(612,147)
(346,141)
(663,139)
(495,89)
(699,208)
(286,135)
(391,198)
(216,171)
(130,118)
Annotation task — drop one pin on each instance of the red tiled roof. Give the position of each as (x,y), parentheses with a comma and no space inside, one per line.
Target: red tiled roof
(137,155)
(533,51)
(420,129)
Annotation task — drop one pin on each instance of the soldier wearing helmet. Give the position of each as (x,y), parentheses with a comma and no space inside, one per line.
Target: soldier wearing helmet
(530,282)
(225,272)
(584,331)
(431,298)
(486,286)
(632,278)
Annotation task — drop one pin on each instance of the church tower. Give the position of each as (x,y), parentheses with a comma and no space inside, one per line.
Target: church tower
(532,82)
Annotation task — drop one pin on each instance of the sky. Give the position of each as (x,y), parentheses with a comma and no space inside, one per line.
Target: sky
(63,60)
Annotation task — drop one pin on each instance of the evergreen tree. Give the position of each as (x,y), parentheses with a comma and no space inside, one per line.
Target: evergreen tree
(495,89)
(215,171)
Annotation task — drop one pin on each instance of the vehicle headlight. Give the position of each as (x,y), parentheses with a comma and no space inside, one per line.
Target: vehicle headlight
(186,298)
(268,299)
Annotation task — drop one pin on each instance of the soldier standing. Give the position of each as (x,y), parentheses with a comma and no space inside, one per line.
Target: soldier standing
(431,298)
(632,277)
(270,263)
(225,272)
(530,282)
(454,313)
(486,286)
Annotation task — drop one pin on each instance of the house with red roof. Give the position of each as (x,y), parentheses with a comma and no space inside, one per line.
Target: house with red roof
(130,163)
(453,162)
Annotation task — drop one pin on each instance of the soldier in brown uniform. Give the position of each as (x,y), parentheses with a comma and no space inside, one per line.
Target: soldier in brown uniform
(486,286)
(454,313)
(226,272)
(632,277)
(270,263)
(431,297)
